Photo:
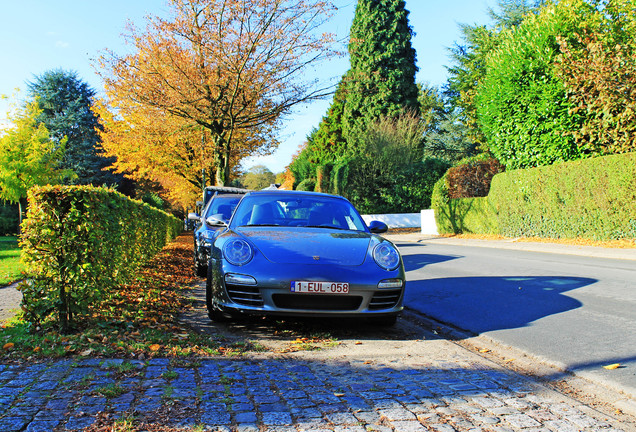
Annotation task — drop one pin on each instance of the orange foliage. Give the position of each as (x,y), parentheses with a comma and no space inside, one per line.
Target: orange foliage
(151,146)
(288,181)
(231,67)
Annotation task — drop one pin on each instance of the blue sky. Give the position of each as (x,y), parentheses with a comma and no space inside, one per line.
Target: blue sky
(40,35)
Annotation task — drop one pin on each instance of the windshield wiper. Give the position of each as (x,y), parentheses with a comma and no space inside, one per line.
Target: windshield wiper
(325,226)
(260,225)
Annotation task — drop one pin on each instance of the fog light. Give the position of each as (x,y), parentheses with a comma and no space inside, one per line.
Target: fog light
(239,279)
(390,283)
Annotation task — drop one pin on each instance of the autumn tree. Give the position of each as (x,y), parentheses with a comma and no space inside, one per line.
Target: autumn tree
(230,67)
(152,147)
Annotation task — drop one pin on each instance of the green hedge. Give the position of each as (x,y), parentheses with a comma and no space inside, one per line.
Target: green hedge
(78,242)
(589,198)
(463,215)
(307,185)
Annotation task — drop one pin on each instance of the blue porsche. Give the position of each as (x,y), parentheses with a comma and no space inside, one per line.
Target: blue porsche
(291,253)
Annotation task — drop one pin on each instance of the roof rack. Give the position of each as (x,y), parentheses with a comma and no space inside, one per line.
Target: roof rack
(227,189)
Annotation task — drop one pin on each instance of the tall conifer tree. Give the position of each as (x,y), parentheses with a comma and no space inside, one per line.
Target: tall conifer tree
(381,81)
(65,103)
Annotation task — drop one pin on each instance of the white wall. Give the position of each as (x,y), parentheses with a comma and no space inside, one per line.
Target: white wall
(424,220)
(428,224)
(401,220)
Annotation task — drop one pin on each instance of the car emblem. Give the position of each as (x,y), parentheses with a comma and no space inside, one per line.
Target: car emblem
(316,257)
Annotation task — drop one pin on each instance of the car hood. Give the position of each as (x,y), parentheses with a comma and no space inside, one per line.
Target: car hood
(309,245)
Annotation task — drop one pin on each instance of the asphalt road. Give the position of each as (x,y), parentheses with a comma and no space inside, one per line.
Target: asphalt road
(575,312)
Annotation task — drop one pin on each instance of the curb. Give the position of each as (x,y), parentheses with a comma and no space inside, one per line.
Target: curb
(515,244)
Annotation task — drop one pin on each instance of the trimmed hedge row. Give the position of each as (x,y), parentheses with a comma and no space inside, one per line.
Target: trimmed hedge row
(589,198)
(78,242)
(462,215)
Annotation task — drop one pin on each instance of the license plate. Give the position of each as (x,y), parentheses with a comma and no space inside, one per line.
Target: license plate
(320,287)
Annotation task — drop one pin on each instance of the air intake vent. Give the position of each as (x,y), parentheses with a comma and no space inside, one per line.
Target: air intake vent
(385,299)
(245,295)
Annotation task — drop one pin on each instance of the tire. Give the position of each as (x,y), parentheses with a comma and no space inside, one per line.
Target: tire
(200,269)
(214,314)
(217,316)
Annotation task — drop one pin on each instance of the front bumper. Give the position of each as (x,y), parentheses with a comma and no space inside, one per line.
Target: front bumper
(270,292)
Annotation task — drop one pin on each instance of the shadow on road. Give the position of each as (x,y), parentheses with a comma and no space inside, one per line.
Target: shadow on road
(418,261)
(482,304)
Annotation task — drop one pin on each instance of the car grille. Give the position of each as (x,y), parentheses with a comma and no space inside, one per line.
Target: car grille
(317,302)
(385,299)
(245,295)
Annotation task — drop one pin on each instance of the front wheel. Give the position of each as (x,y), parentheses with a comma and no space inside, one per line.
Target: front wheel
(200,269)
(214,314)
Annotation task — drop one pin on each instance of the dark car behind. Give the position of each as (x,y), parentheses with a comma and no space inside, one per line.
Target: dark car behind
(211,222)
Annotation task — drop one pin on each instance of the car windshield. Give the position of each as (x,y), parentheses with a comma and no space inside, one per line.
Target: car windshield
(223,205)
(300,211)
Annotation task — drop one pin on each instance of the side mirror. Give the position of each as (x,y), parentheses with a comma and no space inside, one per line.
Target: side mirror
(216,220)
(377,227)
(194,217)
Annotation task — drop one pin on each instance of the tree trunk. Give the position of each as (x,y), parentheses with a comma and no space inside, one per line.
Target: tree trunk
(22,205)
(219,175)
(221,162)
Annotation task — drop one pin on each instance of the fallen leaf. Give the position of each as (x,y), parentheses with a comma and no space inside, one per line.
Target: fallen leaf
(612,366)
(358,343)
(339,394)
(484,350)
(8,346)
(155,347)
(509,361)
(86,353)
(37,349)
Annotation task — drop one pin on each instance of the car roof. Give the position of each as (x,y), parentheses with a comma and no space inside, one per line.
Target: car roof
(294,193)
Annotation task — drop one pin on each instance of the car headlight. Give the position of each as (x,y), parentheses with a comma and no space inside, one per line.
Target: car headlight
(386,256)
(238,252)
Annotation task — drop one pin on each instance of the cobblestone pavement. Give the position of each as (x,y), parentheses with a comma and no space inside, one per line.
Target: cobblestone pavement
(290,394)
